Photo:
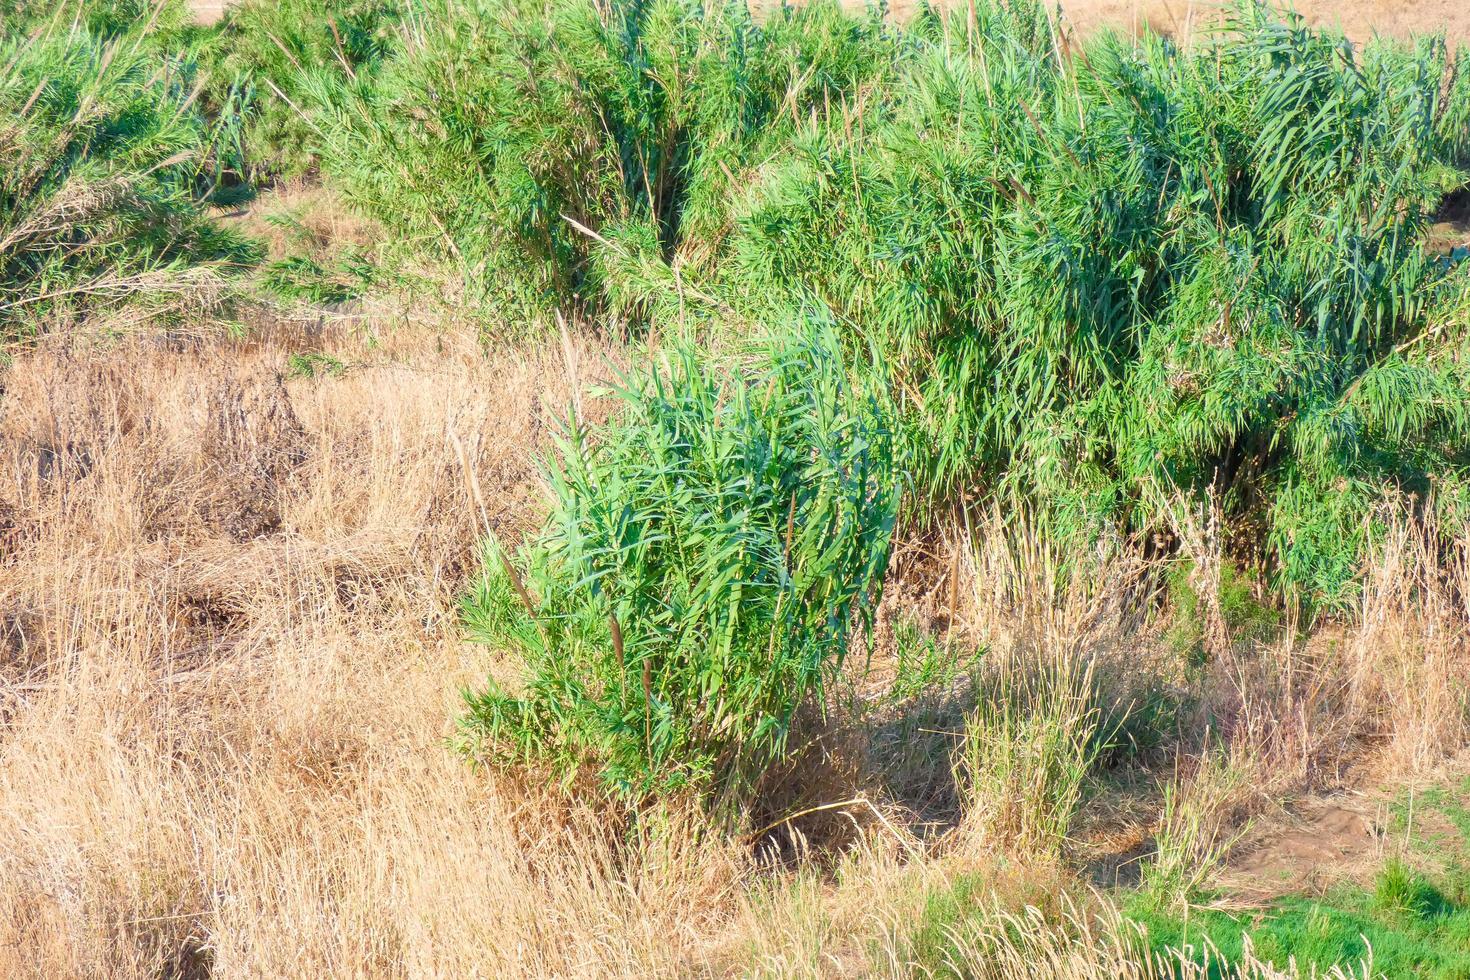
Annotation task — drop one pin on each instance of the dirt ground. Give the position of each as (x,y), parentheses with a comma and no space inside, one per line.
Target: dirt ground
(207,11)
(1359,19)
(1309,845)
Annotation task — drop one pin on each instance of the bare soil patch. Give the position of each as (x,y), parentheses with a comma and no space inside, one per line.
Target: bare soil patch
(1359,19)
(1314,843)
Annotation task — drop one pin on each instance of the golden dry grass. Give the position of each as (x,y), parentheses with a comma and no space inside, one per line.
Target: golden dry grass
(229,659)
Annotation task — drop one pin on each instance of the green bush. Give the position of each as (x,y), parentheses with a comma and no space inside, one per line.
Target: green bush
(100,195)
(700,575)
(581,154)
(267,56)
(1246,619)
(1400,891)
(1148,271)
(167,22)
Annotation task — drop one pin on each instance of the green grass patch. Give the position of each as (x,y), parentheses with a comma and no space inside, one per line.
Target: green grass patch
(1414,915)
(1410,928)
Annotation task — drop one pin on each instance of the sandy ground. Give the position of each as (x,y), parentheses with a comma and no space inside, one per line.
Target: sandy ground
(207,11)
(1360,19)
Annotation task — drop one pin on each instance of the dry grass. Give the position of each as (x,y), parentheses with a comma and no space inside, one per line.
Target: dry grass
(301,218)
(1375,703)
(230,663)
(229,659)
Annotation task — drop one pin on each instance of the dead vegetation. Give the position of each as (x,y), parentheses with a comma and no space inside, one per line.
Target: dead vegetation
(231,653)
(231,650)
(234,560)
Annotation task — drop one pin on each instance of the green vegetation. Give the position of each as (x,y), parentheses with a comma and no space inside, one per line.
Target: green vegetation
(941,920)
(1244,617)
(923,665)
(1025,752)
(165,22)
(314,365)
(1451,804)
(574,155)
(1116,282)
(264,58)
(1401,893)
(102,195)
(1411,920)
(298,277)
(1430,939)
(1415,914)
(1114,289)
(940,268)
(701,573)
(1111,286)
(1422,933)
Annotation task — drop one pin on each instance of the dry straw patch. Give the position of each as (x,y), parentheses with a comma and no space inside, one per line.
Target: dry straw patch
(229,658)
(1378,699)
(224,752)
